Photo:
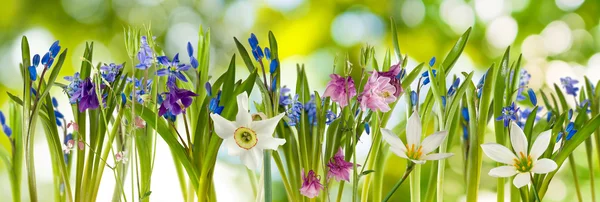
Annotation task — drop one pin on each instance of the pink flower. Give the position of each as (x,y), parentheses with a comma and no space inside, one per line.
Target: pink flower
(394,76)
(339,168)
(378,93)
(311,185)
(340,89)
(139,122)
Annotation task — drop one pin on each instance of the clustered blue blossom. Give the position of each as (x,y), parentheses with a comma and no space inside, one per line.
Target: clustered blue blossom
(523,82)
(109,72)
(311,110)
(141,90)
(569,84)
(145,55)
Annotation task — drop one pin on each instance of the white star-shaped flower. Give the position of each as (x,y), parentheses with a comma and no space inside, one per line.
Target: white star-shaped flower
(524,163)
(415,150)
(247,138)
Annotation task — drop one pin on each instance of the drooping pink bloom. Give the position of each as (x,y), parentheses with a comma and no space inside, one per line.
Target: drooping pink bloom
(311,185)
(378,94)
(340,89)
(339,168)
(139,122)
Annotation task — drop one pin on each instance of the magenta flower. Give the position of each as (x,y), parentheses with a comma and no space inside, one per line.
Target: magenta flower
(311,185)
(378,94)
(340,89)
(394,74)
(339,168)
(175,102)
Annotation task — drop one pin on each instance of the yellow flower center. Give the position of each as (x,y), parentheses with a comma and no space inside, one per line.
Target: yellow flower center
(245,138)
(385,94)
(523,163)
(412,152)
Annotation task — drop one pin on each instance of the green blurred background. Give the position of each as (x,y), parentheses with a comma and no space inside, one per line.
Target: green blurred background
(557,38)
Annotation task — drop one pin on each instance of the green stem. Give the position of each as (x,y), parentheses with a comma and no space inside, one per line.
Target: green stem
(575,179)
(590,161)
(267,177)
(409,169)
(535,194)
(415,184)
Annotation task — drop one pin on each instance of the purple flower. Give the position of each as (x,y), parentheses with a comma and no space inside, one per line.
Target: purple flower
(568,83)
(340,89)
(145,55)
(174,69)
(87,97)
(339,169)
(508,113)
(311,184)
(175,101)
(109,72)
(311,110)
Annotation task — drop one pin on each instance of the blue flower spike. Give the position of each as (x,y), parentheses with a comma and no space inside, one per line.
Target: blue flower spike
(193,60)
(532,97)
(432,61)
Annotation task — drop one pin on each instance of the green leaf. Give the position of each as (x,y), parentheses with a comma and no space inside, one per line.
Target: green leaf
(410,77)
(561,98)
(456,50)
(395,40)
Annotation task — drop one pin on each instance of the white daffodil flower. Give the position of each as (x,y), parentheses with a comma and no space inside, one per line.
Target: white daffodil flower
(415,150)
(524,163)
(246,138)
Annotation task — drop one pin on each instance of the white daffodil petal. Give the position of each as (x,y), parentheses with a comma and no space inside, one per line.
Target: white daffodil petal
(399,152)
(269,143)
(521,180)
(498,153)
(437,156)
(223,127)
(544,166)
(394,141)
(413,130)
(243,117)
(540,145)
(433,141)
(265,128)
(252,158)
(518,139)
(503,171)
(232,147)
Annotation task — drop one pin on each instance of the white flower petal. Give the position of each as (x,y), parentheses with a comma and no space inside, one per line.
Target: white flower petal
(544,166)
(418,161)
(518,139)
(265,128)
(437,156)
(503,171)
(252,158)
(521,180)
(233,149)
(413,130)
(399,152)
(243,117)
(394,141)
(223,127)
(433,141)
(269,143)
(540,145)
(498,153)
